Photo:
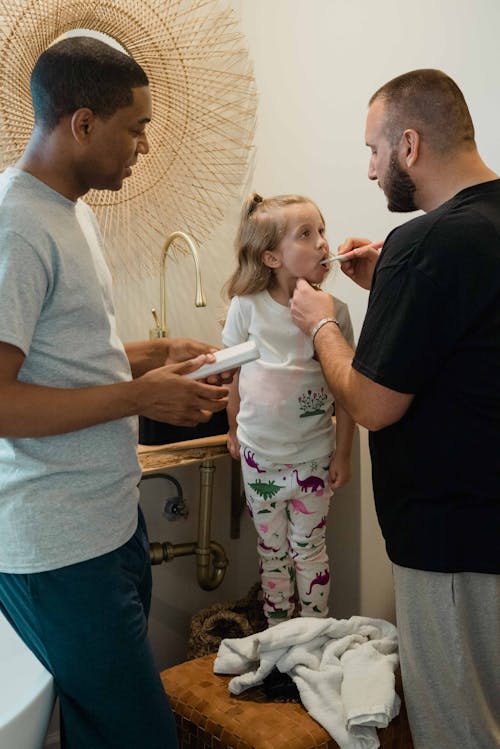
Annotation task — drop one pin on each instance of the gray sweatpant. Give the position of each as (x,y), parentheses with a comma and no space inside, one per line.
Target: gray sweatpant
(449,646)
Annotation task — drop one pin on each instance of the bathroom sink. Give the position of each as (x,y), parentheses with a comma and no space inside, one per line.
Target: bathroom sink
(153,432)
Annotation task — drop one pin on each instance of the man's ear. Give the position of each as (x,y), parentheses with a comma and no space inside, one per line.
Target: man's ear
(271,259)
(82,123)
(410,146)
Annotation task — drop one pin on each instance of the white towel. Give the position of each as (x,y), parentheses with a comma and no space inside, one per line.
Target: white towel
(343,669)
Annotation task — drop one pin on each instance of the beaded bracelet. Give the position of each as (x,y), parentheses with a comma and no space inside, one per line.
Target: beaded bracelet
(320,324)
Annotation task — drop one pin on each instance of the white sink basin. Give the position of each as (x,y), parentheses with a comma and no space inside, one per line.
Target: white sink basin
(26,693)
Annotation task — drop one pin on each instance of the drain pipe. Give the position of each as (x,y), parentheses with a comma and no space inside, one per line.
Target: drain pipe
(206,548)
(211,559)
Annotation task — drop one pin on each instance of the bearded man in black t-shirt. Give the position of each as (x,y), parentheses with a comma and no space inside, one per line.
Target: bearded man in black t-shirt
(425,380)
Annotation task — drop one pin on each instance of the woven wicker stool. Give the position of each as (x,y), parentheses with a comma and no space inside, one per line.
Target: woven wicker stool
(209,717)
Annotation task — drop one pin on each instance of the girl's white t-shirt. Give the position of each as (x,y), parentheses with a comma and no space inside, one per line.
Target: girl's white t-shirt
(285,405)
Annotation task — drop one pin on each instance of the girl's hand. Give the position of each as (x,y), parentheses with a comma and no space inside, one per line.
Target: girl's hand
(233,445)
(340,471)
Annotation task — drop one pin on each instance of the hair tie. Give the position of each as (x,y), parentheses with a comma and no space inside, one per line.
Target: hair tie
(255,202)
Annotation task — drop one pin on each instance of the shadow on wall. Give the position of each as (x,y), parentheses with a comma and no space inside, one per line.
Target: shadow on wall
(344,543)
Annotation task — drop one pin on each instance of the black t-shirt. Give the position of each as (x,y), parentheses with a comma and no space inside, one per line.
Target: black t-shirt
(433,329)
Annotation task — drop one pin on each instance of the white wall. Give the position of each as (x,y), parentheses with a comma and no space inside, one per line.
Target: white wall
(316,64)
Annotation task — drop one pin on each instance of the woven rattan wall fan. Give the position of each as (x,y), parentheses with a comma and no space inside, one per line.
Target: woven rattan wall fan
(204,107)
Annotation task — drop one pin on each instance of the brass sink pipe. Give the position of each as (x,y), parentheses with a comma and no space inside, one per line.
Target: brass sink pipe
(207,548)
(211,559)
(161,330)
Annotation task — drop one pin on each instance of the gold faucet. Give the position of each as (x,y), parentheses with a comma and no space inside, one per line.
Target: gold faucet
(160,330)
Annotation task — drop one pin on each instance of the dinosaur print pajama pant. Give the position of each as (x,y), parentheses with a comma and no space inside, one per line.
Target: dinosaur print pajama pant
(289,506)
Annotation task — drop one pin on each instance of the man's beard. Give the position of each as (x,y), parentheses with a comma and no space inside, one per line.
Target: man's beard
(399,188)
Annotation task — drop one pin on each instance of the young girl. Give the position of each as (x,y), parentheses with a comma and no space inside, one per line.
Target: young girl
(280,409)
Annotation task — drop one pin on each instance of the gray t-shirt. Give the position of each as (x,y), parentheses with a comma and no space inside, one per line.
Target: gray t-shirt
(70,497)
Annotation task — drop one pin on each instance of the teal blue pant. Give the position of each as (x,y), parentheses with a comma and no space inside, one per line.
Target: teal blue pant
(87,623)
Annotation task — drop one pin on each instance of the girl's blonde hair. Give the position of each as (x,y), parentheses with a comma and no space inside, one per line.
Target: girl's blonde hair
(262,227)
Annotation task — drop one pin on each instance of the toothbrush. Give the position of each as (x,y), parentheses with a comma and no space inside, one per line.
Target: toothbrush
(331,259)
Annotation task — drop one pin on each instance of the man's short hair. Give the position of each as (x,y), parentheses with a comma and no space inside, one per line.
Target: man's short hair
(430,102)
(82,71)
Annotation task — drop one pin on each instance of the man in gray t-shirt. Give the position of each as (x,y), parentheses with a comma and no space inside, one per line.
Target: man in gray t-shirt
(75,579)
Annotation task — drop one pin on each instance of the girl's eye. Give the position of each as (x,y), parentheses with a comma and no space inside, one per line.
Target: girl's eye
(306,233)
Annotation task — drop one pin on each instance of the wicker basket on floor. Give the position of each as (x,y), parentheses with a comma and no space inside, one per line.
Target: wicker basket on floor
(235,619)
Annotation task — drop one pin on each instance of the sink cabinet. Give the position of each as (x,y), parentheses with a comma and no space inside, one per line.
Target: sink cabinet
(153,432)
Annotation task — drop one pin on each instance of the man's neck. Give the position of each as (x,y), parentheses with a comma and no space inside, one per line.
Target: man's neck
(47,163)
(447,179)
